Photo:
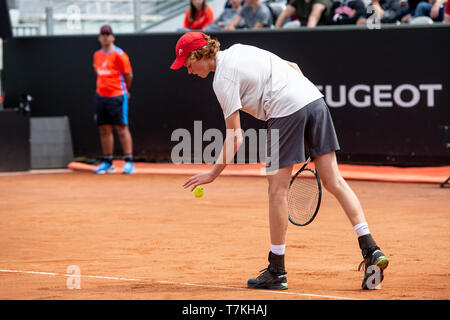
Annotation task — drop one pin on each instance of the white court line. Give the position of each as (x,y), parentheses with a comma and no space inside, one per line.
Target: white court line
(31,272)
(102,277)
(262,291)
(182,284)
(70,275)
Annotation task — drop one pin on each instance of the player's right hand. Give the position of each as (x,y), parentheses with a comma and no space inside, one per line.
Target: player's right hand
(199,179)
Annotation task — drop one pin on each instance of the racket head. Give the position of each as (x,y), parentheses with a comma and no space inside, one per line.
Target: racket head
(304,197)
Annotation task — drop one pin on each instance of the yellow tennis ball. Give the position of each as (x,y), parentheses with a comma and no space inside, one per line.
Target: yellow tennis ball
(198,192)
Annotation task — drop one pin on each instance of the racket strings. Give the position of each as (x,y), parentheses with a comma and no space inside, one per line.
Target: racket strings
(303,197)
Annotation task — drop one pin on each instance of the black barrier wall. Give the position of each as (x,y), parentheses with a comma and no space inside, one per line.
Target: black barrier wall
(388,89)
(14,141)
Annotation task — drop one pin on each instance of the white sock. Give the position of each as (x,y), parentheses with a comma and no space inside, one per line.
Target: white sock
(361,229)
(278,249)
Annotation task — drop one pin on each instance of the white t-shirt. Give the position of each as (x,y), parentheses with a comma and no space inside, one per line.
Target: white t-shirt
(260,83)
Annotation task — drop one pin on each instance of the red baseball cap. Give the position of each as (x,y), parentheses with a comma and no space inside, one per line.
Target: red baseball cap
(186,44)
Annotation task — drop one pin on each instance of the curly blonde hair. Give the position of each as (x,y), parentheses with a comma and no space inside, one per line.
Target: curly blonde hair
(208,51)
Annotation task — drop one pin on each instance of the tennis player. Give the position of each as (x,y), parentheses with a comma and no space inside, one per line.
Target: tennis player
(274,90)
(114,76)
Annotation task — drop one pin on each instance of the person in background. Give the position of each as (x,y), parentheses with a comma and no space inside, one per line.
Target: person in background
(384,11)
(431,8)
(447,12)
(346,12)
(228,4)
(198,16)
(114,75)
(255,15)
(408,10)
(227,16)
(310,13)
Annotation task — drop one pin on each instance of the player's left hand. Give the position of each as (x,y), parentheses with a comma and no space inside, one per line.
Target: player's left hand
(199,179)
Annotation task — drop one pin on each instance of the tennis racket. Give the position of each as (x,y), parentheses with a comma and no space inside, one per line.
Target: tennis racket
(304,195)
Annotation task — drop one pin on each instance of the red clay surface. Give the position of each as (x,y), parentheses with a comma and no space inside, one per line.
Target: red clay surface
(145,237)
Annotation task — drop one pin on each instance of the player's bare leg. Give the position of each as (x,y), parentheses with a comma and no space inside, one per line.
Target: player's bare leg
(127,147)
(278,214)
(107,142)
(106,139)
(125,139)
(274,277)
(326,166)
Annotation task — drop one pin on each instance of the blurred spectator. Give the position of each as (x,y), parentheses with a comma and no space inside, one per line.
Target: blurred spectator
(310,13)
(228,4)
(198,16)
(408,9)
(276,7)
(346,12)
(227,16)
(447,12)
(255,14)
(431,8)
(386,11)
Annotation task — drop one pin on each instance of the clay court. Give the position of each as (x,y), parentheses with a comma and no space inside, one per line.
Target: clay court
(144,237)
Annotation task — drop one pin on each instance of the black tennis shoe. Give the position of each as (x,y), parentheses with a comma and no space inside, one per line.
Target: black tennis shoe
(373,257)
(273,277)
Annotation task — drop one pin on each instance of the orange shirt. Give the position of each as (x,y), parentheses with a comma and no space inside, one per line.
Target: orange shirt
(111,67)
(203,18)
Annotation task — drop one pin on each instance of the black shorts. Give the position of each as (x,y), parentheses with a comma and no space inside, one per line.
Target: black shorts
(111,110)
(309,130)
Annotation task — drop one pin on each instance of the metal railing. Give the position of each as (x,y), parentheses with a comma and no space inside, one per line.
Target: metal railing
(26,29)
